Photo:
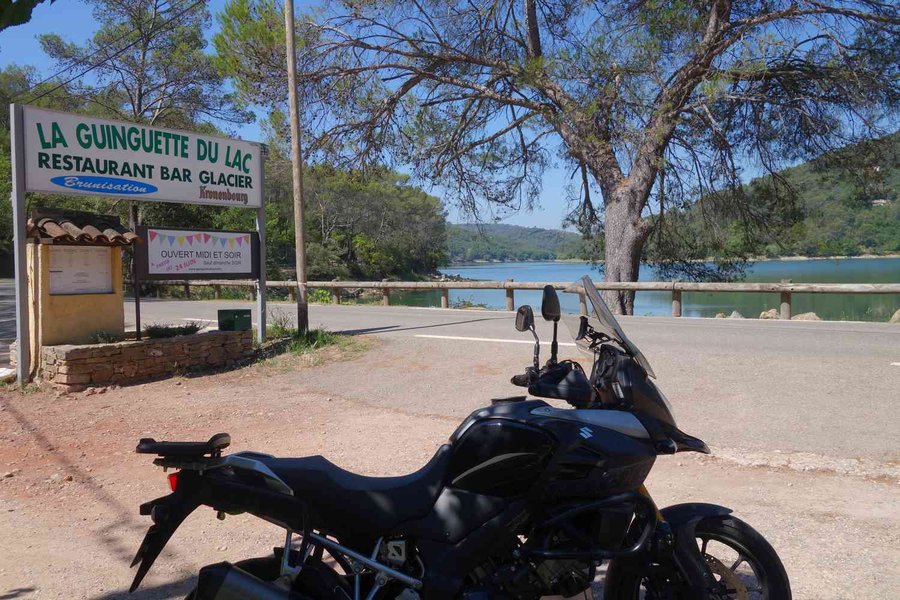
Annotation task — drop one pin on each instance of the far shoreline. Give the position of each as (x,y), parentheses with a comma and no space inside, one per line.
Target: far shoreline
(476,263)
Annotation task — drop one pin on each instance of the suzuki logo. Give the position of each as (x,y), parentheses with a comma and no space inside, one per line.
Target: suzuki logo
(586,432)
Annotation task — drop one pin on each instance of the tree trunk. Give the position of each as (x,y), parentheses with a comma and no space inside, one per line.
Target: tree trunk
(624,238)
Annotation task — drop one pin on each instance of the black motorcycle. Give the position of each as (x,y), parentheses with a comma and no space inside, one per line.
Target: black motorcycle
(526,500)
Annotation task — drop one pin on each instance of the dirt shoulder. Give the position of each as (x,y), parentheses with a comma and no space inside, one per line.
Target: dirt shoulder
(68,512)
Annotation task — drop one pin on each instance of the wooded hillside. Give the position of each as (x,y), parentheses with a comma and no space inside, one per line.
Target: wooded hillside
(503,242)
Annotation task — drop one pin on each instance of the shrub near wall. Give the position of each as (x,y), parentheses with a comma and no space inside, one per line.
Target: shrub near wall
(76,367)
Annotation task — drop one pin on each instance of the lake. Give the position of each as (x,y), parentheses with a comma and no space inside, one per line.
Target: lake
(844,307)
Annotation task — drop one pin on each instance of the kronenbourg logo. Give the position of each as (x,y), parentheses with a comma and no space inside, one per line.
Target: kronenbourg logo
(103,185)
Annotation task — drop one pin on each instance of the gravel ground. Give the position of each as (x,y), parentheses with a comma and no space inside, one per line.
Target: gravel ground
(68,511)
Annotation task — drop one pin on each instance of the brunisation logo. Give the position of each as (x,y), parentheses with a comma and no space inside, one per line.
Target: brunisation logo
(103,185)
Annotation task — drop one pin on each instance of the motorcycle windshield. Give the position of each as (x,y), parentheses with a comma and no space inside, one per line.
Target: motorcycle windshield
(603,321)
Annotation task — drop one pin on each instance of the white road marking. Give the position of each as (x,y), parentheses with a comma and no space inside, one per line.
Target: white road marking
(479,339)
(895,364)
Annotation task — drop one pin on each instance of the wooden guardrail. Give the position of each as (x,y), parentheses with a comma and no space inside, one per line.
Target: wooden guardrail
(785,289)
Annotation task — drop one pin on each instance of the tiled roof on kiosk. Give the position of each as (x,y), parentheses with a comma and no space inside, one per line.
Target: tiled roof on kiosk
(80,228)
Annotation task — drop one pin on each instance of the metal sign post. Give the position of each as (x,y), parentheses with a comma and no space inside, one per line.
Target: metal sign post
(261,279)
(23,337)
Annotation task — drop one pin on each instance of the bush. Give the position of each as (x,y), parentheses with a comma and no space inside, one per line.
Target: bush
(319,296)
(106,337)
(165,330)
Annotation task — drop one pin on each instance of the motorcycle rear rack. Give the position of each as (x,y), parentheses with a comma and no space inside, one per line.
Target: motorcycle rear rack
(212,447)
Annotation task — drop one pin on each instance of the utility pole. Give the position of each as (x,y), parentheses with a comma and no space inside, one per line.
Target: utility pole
(296,169)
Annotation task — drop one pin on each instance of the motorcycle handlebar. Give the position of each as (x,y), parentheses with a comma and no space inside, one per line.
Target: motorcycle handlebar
(522,380)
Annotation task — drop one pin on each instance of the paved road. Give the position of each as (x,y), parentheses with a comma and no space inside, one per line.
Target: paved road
(744,385)
(748,386)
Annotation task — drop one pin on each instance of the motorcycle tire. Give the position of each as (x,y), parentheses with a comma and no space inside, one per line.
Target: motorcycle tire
(623,581)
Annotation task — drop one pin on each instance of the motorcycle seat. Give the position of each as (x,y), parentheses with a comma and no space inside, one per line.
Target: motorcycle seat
(356,506)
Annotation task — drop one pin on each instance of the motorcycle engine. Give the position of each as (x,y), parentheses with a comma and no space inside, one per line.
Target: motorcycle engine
(530,579)
(564,578)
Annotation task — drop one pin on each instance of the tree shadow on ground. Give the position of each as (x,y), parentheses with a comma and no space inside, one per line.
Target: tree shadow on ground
(16,593)
(393,328)
(166,591)
(122,532)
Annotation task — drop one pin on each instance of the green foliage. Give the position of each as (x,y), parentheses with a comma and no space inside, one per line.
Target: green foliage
(166,330)
(280,325)
(312,340)
(847,204)
(257,26)
(319,296)
(500,242)
(17,12)
(106,337)
(467,303)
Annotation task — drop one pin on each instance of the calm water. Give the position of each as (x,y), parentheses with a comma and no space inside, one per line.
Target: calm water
(827,306)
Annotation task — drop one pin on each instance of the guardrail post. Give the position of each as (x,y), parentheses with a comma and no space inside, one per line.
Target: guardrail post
(385,297)
(217,292)
(292,293)
(582,303)
(187,290)
(445,298)
(253,293)
(785,312)
(785,306)
(335,295)
(676,303)
(510,299)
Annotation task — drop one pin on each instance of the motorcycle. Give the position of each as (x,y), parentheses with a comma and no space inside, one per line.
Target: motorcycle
(526,500)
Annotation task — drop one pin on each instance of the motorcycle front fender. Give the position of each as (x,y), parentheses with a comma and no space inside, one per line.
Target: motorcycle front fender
(683,519)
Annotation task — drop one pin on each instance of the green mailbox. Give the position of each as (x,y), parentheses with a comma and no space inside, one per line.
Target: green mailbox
(234,319)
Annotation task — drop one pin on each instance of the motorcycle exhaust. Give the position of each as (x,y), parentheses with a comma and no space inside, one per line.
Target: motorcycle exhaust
(224,581)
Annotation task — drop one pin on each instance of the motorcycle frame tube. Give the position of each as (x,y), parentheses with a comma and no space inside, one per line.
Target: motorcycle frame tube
(333,546)
(639,546)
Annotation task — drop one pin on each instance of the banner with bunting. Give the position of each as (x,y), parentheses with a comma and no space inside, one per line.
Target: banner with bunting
(192,254)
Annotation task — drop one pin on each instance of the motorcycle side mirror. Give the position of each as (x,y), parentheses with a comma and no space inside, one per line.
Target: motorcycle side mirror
(582,328)
(551,312)
(550,304)
(525,322)
(524,318)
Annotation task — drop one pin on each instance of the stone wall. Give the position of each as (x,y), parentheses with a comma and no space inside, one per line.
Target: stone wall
(76,367)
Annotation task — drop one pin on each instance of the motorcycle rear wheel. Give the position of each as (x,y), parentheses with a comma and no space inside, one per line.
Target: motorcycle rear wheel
(741,560)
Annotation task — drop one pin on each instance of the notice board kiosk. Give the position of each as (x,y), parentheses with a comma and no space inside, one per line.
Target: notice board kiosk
(75,282)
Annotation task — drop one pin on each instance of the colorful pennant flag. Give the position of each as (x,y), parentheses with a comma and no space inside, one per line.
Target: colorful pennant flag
(153,235)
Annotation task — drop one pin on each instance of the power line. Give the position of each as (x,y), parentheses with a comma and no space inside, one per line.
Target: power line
(116,54)
(83,60)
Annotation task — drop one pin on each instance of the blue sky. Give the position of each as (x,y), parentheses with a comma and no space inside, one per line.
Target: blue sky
(74,22)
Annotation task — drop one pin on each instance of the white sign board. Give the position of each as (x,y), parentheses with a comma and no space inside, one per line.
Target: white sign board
(182,254)
(73,154)
(80,270)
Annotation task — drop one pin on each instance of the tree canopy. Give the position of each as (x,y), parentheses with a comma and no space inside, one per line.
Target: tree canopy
(657,103)
(17,12)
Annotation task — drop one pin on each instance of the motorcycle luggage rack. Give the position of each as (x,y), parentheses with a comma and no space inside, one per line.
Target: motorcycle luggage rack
(212,447)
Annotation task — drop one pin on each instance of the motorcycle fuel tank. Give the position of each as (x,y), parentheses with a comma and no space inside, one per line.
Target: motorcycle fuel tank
(503,449)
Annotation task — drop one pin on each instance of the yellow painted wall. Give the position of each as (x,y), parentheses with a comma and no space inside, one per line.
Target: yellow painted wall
(73,318)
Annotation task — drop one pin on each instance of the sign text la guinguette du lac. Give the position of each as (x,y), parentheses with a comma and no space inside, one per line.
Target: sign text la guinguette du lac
(74,154)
